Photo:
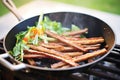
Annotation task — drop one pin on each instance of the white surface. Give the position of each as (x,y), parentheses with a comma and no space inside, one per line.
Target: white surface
(38,6)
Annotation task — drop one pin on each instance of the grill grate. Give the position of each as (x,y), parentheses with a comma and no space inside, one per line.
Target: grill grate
(1,46)
(107,69)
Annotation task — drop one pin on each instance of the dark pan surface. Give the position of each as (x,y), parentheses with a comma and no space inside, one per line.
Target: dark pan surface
(96,27)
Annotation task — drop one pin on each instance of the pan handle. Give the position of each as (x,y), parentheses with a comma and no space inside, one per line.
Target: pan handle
(9,65)
(11,6)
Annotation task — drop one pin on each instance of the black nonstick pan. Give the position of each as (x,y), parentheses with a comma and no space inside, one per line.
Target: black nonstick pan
(96,28)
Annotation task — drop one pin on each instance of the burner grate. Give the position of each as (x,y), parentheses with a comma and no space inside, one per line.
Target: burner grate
(109,68)
(1,46)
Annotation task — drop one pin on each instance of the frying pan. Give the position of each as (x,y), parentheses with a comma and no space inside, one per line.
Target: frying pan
(96,27)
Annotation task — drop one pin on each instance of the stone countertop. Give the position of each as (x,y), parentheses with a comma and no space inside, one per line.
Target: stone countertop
(37,6)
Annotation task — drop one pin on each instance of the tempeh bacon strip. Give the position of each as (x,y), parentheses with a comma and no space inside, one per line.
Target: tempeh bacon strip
(76,32)
(81,58)
(49,53)
(51,45)
(66,49)
(59,47)
(64,40)
(89,41)
(54,46)
(92,45)
(29,56)
(31,62)
(90,55)
(33,54)
(73,54)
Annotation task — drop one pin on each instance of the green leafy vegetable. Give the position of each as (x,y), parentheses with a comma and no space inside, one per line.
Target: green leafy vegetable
(35,34)
(19,47)
(53,26)
(74,28)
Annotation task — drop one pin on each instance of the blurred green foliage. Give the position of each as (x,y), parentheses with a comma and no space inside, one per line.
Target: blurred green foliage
(18,3)
(112,6)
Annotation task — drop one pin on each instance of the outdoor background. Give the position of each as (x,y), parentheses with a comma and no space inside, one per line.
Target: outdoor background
(111,6)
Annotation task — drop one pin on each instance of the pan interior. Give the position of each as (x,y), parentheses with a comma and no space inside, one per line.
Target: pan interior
(96,28)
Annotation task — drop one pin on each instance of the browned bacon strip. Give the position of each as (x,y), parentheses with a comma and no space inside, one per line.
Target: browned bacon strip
(66,49)
(76,32)
(92,45)
(73,54)
(61,47)
(51,45)
(66,66)
(31,62)
(29,56)
(90,55)
(54,46)
(53,55)
(92,48)
(32,54)
(90,60)
(81,58)
(58,65)
(95,40)
(50,51)
(72,38)
(64,40)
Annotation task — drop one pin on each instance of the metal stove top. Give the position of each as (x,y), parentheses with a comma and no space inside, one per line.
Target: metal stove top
(107,69)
